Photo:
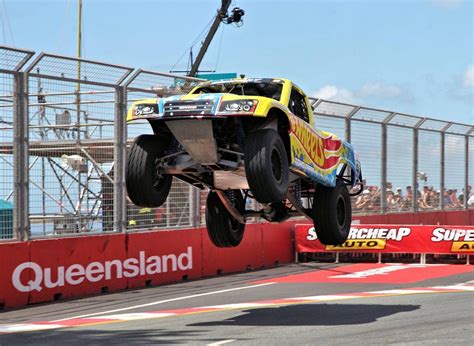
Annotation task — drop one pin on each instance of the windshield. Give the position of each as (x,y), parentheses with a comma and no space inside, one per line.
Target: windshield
(263,88)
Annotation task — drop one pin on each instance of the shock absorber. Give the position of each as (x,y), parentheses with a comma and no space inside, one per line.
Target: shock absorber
(297,192)
(239,133)
(231,196)
(173,146)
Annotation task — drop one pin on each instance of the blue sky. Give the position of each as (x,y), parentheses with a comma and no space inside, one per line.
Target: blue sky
(410,56)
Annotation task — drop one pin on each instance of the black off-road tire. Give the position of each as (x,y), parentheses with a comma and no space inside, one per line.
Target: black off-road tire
(266,166)
(332,213)
(145,186)
(223,229)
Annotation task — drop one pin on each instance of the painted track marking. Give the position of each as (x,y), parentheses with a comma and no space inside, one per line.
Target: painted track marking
(221,342)
(81,322)
(165,301)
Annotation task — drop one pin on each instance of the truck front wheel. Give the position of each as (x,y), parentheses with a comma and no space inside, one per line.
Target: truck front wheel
(146,185)
(266,166)
(332,213)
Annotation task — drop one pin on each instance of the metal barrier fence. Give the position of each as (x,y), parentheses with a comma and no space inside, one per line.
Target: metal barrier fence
(409,163)
(63,143)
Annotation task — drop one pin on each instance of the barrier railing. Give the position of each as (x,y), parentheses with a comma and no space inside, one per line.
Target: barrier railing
(63,143)
(405,158)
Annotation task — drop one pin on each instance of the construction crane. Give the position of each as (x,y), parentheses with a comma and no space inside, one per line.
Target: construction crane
(221,17)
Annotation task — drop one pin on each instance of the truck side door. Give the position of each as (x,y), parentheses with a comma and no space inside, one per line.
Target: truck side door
(308,145)
(298,105)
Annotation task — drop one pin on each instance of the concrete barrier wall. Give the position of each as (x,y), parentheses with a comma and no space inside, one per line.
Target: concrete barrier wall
(46,270)
(49,269)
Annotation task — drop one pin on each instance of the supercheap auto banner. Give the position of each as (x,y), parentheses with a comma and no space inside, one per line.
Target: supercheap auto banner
(393,239)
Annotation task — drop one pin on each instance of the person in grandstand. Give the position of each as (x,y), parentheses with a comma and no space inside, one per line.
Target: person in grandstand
(470,201)
(363,201)
(407,202)
(436,198)
(420,197)
(454,201)
(463,195)
(396,202)
(376,198)
(427,197)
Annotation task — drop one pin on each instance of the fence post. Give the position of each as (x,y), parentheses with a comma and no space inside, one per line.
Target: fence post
(383,157)
(441,173)
(347,129)
(348,123)
(415,170)
(383,196)
(20,157)
(120,148)
(466,170)
(195,207)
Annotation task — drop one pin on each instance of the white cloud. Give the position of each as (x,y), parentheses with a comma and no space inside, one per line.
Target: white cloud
(367,92)
(333,93)
(380,90)
(462,87)
(468,77)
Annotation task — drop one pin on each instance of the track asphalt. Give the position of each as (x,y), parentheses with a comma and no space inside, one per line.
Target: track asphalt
(295,304)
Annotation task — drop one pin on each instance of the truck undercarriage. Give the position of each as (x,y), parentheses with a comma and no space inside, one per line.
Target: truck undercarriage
(252,144)
(211,156)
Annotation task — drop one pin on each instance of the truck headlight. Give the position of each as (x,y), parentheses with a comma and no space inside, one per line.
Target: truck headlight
(238,106)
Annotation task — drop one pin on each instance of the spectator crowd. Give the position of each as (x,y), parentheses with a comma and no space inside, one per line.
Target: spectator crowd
(398,200)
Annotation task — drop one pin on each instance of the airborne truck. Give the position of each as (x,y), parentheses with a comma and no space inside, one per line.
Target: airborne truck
(245,139)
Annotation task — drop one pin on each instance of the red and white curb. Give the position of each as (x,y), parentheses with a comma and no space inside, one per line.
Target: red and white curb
(78,322)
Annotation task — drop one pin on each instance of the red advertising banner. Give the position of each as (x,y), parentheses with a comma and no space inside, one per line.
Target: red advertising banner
(164,257)
(393,239)
(71,267)
(49,269)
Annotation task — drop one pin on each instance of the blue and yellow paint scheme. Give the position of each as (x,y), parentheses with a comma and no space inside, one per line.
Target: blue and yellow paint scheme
(314,153)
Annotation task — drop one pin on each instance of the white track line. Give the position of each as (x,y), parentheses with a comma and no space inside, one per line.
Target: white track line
(221,342)
(235,306)
(456,287)
(165,301)
(134,316)
(28,327)
(325,297)
(403,291)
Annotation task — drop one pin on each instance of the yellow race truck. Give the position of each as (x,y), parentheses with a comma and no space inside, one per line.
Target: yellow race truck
(245,139)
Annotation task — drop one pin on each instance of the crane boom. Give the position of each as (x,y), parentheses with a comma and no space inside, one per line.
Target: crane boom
(221,13)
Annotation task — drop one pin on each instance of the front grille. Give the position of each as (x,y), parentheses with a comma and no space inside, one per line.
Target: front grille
(191,107)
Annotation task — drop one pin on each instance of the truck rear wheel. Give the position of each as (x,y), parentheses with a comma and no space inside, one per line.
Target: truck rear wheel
(223,229)
(266,166)
(332,213)
(146,185)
